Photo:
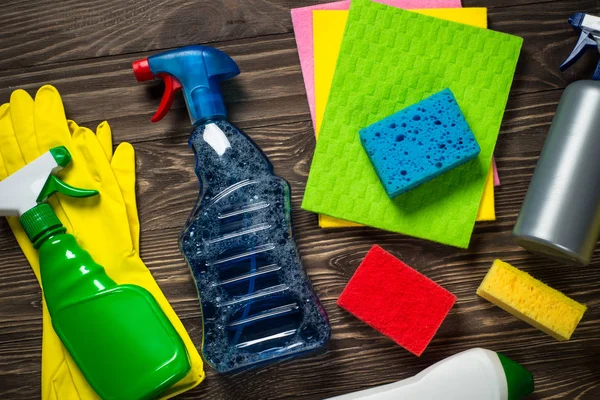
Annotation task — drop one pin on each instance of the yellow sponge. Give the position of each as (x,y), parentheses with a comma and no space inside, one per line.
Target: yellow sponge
(532,301)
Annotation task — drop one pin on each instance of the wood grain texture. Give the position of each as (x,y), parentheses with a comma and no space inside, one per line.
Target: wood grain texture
(56,31)
(85,49)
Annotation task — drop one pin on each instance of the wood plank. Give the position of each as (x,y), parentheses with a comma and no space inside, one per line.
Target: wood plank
(73,30)
(37,33)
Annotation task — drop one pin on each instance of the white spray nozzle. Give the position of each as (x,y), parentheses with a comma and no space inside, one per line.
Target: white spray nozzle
(20,191)
(588,27)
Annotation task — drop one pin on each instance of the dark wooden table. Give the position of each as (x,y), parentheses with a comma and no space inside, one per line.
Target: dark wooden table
(85,50)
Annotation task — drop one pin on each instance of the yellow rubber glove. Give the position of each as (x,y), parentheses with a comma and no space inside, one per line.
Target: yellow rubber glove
(106,226)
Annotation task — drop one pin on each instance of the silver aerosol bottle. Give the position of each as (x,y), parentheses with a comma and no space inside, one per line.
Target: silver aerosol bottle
(560,216)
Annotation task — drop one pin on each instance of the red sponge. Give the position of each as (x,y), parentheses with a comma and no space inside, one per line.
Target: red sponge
(396,300)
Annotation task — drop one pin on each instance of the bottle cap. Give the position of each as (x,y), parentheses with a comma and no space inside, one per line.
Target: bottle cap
(40,221)
(518,380)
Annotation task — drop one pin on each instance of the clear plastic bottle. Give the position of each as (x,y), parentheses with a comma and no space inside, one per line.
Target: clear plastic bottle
(257,302)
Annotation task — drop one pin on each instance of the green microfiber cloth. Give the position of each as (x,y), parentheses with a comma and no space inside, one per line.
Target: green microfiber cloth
(389,59)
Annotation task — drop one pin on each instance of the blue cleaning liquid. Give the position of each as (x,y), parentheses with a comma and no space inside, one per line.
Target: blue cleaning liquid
(257,302)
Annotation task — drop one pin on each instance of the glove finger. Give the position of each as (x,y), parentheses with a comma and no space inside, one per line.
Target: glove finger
(51,128)
(21,112)
(104,135)
(87,144)
(123,166)
(9,147)
(72,126)
(101,172)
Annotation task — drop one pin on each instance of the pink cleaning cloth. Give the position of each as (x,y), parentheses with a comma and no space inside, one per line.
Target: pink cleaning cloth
(496,176)
(303,30)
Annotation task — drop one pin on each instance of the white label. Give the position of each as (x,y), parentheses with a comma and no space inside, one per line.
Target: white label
(215,137)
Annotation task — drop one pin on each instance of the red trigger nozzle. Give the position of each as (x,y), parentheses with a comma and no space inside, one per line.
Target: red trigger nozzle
(172,86)
(141,70)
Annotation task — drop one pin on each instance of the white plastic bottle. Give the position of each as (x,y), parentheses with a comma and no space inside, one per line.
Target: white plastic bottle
(476,374)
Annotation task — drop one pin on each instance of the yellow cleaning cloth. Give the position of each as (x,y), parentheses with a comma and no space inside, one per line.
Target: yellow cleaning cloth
(107,227)
(328,30)
(532,301)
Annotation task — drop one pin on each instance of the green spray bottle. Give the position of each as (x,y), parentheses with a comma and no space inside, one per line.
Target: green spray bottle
(118,335)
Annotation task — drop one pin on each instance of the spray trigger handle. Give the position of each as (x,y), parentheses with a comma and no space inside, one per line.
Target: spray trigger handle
(142,71)
(172,86)
(54,185)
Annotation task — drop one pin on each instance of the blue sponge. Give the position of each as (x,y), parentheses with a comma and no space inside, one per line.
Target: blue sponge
(420,142)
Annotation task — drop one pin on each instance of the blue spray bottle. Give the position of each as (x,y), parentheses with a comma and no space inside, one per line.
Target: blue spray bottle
(257,302)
